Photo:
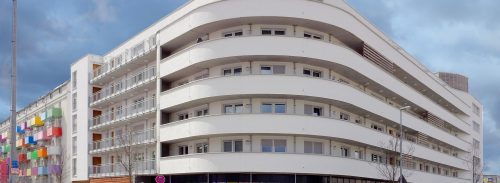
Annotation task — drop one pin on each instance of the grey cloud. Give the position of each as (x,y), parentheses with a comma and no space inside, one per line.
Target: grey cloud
(53,35)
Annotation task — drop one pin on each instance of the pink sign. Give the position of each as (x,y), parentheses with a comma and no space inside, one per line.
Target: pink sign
(160,179)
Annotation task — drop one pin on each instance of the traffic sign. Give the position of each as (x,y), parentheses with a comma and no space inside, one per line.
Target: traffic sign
(15,164)
(14,170)
(160,179)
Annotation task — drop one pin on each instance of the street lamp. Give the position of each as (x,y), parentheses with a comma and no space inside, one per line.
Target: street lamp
(401,142)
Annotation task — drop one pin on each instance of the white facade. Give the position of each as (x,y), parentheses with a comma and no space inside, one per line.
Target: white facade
(79,140)
(303,90)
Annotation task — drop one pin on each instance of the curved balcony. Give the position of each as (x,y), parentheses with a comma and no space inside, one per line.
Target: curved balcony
(218,88)
(306,50)
(131,139)
(292,125)
(118,91)
(283,163)
(203,15)
(131,113)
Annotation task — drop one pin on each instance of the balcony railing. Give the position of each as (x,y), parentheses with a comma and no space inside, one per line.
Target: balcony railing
(125,84)
(140,167)
(54,150)
(128,56)
(130,139)
(127,112)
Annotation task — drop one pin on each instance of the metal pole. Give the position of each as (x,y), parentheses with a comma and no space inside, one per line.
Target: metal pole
(400,145)
(401,142)
(13,111)
(473,169)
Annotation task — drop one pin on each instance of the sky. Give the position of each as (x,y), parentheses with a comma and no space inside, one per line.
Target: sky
(459,36)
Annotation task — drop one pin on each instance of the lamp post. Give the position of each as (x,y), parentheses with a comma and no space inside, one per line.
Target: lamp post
(13,121)
(401,142)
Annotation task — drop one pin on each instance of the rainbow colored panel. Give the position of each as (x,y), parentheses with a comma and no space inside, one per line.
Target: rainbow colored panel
(37,121)
(54,132)
(42,152)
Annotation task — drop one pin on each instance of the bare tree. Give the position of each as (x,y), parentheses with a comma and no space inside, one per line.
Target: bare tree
(474,164)
(61,161)
(389,167)
(128,163)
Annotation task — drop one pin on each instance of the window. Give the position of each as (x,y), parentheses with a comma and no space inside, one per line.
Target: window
(267,32)
(377,127)
(237,71)
(231,71)
(74,167)
(272,69)
(313,110)
(455,174)
(279,108)
(476,127)
(202,112)
(312,36)
(233,145)
(183,149)
(201,76)
(377,158)
(119,111)
(233,33)
(344,116)
(312,73)
(278,32)
(273,145)
(272,108)
(266,70)
(202,147)
(74,145)
(74,122)
(313,147)
(358,154)
(266,108)
(73,80)
(183,83)
(139,156)
(476,143)
(74,101)
(138,103)
(344,151)
(476,109)
(233,108)
(202,38)
(183,116)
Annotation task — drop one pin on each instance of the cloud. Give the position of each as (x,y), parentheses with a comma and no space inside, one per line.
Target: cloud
(452,36)
(103,12)
(53,35)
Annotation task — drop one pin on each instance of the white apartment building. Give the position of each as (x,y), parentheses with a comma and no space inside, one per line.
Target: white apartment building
(42,147)
(267,91)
